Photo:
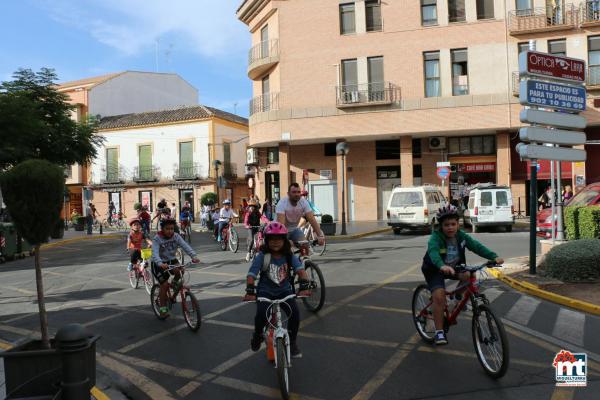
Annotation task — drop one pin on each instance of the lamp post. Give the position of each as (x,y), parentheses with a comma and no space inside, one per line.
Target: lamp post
(342,149)
(217,164)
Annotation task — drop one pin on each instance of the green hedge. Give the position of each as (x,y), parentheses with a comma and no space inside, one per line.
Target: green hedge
(589,222)
(571,223)
(575,261)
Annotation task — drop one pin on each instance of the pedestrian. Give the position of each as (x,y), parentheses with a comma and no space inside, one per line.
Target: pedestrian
(173,211)
(90,215)
(111,211)
(567,194)
(545,200)
(267,209)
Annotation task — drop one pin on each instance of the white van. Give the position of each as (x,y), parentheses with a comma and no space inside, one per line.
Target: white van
(414,207)
(490,205)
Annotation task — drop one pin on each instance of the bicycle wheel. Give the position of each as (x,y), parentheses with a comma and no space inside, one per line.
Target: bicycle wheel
(188,234)
(234,242)
(489,339)
(180,256)
(134,278)
(282,368)
(155,300)
(320,250)
(191,311)
(224,242)
(148,283)
(317,287)
(422,311)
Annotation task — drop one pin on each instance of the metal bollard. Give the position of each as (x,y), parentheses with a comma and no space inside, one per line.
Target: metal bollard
(101,229)
(72,340)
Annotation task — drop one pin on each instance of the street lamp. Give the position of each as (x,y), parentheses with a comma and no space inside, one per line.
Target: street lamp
(217,164)
(343,149)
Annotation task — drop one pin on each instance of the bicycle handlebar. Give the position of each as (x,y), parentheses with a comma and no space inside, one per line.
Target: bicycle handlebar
(278,301)
(474,268)
(174,266)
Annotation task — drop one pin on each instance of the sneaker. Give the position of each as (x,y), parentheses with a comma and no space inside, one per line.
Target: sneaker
(218,238)
(255,342)
(295,350)
(247,256)
(164,312)
(129,267)
(440,338)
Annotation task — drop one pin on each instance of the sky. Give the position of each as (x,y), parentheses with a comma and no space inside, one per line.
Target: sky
(201,40)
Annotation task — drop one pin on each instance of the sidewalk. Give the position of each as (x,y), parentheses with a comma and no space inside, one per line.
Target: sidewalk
(72,236)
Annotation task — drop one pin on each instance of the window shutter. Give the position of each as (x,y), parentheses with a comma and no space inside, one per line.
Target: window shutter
(145,156)
(186,154)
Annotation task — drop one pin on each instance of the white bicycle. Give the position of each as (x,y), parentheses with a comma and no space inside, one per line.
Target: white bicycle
(313,240)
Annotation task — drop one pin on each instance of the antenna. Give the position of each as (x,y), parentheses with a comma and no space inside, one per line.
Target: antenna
(235,107)
(168,53)
(156,41)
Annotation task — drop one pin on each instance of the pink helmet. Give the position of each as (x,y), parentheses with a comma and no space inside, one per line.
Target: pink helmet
(275,228)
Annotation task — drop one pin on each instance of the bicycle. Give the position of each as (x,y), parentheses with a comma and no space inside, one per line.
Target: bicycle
(229,238)
(315,301)
(140,271)
(489,337)
(186,230)
(189,303)
(277,340)
(313,240)
(258,241)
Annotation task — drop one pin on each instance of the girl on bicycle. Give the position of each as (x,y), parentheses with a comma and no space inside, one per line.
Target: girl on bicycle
(274,263)
(134,242)
(445,251)
(252,220)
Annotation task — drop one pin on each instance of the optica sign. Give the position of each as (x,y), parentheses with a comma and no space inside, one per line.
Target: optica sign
(541,64)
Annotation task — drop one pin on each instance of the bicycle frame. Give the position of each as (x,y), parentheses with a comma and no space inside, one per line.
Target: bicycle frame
(279,331)
(472,289)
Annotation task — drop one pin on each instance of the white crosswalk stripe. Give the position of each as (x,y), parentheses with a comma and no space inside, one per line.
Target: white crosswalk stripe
(492,293)
(569,326)
(523,309)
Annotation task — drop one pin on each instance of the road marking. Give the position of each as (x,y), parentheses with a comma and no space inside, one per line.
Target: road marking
(188,388)
(202,271)
(569,326)
(224,310)
(5,345)
(388,368)
(157,366)
(254,388)
(88,277)
(379,308)
(522,311)
(563,393)
(109,317)
(98,395)
(232,362)
(493,293)
(18,331)
(220,293)
(147,386)
(149,339)
(400,289)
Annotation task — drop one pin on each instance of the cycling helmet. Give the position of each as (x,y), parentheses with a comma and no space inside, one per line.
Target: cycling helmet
(133,221)
(275,228)
(227,202)
(252,202)
(446,211)
(167,221)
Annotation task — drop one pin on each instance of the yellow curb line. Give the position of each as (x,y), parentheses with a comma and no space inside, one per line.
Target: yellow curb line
(544,294)
(5,345)
(359,235)
(79,239)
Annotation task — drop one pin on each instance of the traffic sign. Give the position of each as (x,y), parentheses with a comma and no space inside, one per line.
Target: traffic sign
(560,120)
(554,95)
(534,152)
(442,164)
(443,173)
(549,66)
(546,135)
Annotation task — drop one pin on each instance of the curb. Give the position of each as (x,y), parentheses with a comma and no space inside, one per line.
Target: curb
(82,238)
(359,235)
(544,294)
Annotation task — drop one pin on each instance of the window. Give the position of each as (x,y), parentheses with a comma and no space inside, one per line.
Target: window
(349,92)
(347,22)
(375,75)
(388,172)
(472,145)
(112,164)
(485,9)
(524,7)
(373,11)
(594,60)
(557,47)
(407,199)
(145,161)
(226,152)
(266,94)
(273,155)
(523,46)
(432,198)
(429,12)
(501,198)
(264,42)
(387,149)
(432,74)
(329,149)
(477,144)
(486,199)
(456,11)
(417,175)
(460,72)
(489,144)
(416,148)
(465,145)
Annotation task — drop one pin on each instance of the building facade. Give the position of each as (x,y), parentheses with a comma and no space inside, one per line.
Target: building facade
(169,154)
(118,93)
(405,84)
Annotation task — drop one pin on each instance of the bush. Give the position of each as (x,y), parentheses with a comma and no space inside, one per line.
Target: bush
(575,261)
(571,222)
(326,219)
(589,222)
(137,206)
(208,199)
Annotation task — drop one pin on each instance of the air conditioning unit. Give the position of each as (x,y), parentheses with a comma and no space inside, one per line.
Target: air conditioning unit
(437,143)
(251,156)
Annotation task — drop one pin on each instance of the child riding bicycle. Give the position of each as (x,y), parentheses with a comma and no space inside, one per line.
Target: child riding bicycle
(274,263)
(252,220)
(186,215)
(225,215)
(164,248)
(445,251)
(134,242)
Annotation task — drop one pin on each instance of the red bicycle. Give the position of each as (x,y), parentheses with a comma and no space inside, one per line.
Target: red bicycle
(229,238)
(257,241)
(186,230)
(487,330)
(141,271)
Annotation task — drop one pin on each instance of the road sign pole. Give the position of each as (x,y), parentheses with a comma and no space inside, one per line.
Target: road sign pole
(553,198)
(560,231)
(532,216)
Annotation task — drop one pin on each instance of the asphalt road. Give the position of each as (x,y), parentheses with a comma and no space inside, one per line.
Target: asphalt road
(361,345)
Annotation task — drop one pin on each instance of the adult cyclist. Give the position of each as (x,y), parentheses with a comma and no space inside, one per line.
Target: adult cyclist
(291,209)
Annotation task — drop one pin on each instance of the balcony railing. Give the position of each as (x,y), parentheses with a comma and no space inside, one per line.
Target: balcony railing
(264,103)
(376,93)
(593,76)
(262,57)
(185,171)
(230,170)
(145,174)
(543,19)
(112,174)
(590,13)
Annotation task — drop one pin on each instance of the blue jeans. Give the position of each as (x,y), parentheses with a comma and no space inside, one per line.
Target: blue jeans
(90,223)
(221,225)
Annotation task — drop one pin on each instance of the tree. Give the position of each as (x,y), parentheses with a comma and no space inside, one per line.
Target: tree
(35,123)
(208,199)
(33,193)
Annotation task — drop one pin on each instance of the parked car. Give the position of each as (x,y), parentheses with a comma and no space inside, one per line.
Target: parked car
(490,205)
(588,196)
(414,207)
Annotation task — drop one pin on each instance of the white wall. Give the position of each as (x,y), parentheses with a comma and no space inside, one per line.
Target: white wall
(238,149)
(165,148)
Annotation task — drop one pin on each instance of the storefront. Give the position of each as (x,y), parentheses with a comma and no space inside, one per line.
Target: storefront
(468,172)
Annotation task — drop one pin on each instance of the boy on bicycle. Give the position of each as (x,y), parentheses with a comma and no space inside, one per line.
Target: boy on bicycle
(164,248)
(185,216)
(225,215)
(445,251)
(134,242)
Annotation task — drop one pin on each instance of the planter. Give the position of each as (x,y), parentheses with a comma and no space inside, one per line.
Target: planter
(328,229)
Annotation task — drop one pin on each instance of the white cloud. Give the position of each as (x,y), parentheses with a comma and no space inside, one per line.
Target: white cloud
(206,27)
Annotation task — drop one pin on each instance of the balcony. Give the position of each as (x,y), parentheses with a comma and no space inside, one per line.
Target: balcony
(262,57)
(590,13)
(112,175)
(230,170)
(145,174)
(593,77)
(369,94)
(522,22)
(186,171)
(264,103)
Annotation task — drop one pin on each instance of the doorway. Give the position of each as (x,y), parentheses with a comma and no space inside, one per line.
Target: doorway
(186,195)
(388,177)
(323,194)
(272,190)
